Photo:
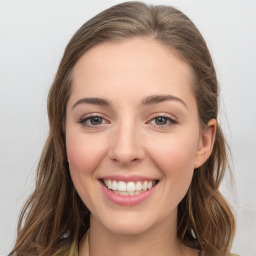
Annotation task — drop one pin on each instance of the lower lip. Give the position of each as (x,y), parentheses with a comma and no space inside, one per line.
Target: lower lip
(127,200)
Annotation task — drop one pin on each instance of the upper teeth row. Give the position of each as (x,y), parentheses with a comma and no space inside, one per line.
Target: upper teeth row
(129,186)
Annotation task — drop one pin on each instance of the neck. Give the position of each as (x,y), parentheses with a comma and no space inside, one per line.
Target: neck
(160,240)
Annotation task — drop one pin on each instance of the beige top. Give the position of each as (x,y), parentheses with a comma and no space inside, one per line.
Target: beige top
(74,249)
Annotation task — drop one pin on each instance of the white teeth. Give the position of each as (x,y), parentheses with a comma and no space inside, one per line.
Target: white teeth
(114,185)
(121,186)
(129,188)
(109,184)
(138,186)
(150,185)
(124,193)
(145,185)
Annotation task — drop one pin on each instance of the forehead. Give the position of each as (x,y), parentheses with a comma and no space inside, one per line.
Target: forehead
(132,68)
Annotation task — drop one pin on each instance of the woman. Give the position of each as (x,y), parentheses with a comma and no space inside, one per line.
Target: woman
(134,157)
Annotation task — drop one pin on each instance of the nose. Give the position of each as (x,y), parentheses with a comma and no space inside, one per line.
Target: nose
(126,144)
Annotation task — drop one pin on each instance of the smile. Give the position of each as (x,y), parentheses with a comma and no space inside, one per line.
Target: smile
(126,191)
(128,188)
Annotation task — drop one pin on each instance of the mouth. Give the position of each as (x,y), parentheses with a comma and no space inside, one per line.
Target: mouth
(129,188)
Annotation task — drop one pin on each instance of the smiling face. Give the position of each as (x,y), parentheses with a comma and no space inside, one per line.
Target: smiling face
(132,120)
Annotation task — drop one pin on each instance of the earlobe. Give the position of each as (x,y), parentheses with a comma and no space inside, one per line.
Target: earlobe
(206,143)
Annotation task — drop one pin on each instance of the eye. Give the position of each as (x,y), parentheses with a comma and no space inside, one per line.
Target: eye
(163,121)
(92,121)
(160,120)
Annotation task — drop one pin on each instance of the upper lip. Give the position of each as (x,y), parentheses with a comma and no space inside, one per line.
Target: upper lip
(127,178)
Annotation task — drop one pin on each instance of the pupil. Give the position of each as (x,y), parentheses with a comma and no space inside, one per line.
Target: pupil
(161,120)
(96,120)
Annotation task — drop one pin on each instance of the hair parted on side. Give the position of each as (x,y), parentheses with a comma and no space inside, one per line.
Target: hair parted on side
(54,214)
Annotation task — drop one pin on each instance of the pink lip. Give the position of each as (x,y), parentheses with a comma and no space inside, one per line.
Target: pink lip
(127,200)
(127,178)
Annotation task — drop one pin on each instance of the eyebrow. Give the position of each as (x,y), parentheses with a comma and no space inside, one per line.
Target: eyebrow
(150,100)
(154,99)
(93,101)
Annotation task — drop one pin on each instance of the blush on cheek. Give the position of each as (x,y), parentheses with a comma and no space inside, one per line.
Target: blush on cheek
(176,162)
(84,155)
(81,161)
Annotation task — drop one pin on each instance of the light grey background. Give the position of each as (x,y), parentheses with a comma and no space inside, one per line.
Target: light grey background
(33,35)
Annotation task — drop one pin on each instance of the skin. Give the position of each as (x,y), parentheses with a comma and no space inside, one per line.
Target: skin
(129,140)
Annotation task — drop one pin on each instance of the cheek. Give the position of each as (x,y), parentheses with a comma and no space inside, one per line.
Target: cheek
(84,152)
(175,151)
(175,158)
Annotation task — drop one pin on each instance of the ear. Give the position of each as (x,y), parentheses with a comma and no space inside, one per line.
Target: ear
(206,142)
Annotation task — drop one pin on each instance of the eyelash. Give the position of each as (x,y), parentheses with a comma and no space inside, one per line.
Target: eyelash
(168,119)
(83,121)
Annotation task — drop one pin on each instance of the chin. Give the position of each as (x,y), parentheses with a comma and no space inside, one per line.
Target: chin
(128,225)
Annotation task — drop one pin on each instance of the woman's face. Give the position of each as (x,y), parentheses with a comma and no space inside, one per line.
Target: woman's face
(132,123)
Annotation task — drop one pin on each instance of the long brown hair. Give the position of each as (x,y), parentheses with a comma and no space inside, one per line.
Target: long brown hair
(54,214)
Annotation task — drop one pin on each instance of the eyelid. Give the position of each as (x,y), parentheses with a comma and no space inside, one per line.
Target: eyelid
(162,114)
(171,118)
(90,115)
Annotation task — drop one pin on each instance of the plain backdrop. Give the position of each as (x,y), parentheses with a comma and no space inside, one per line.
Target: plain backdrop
(33,35)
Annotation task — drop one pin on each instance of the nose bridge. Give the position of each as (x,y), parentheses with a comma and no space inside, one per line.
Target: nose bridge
(126,145)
